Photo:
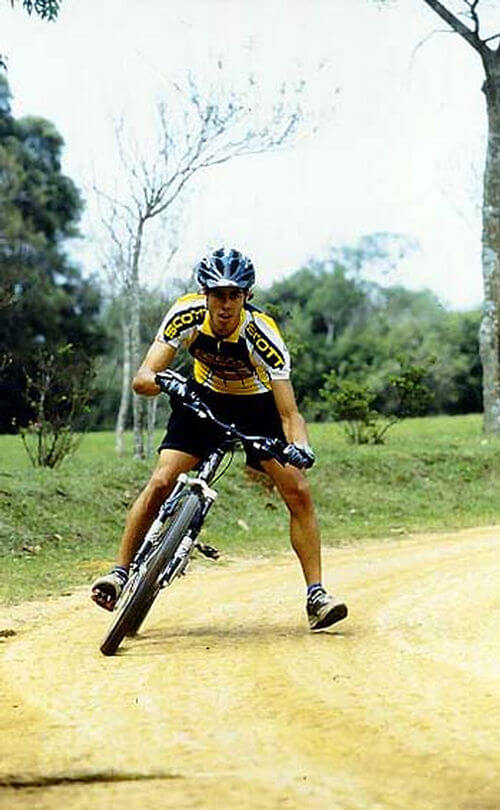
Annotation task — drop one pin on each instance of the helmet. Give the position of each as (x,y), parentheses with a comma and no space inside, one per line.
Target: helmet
(225,268)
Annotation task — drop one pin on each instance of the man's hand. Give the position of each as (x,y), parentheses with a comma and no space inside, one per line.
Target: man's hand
(300,455)
(171,386)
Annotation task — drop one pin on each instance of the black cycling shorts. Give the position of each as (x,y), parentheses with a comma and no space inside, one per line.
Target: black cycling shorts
(254,414)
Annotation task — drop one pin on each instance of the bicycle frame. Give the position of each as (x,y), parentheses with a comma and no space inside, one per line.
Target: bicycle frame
(198,484)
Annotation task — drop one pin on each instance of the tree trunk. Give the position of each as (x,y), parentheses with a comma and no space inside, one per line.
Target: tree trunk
(489,333)
(135,341)
(121,419)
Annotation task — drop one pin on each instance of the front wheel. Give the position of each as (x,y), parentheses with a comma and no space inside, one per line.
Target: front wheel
(144,586)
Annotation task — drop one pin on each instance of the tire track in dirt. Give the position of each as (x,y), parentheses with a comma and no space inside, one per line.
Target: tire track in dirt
(226,700)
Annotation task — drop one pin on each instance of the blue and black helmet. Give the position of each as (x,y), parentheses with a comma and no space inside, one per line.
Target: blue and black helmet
(225,268)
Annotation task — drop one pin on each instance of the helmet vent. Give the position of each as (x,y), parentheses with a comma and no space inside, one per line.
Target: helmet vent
(222,265)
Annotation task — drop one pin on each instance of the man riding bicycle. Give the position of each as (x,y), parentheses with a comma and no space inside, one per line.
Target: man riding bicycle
(242,371)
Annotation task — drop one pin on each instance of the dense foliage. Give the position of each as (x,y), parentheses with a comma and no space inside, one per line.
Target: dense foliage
(44,300)
(334,320)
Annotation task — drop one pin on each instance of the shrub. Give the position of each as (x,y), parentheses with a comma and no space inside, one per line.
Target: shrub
(59,390)
(354,403)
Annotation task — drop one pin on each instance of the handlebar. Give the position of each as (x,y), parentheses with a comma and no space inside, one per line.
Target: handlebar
(175,385)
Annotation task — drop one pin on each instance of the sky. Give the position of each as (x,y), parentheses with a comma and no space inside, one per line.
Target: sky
(393,138)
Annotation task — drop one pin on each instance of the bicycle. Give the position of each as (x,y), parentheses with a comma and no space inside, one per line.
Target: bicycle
(172,538)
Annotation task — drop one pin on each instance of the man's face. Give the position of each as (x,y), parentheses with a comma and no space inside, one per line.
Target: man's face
(224,306)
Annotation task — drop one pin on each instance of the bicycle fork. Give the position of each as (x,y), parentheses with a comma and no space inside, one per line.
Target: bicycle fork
(181,557)
(155,532)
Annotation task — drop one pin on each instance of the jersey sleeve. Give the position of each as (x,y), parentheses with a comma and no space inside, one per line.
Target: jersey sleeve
(268,347)
(181,320)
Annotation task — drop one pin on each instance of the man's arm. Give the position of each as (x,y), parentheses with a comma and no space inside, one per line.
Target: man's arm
(294,426)
(158,357)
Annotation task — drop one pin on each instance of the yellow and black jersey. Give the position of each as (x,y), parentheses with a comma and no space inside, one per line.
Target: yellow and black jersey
(243,363)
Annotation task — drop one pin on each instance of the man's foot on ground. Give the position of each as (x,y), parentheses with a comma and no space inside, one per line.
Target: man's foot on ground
(323,610)
(107,589)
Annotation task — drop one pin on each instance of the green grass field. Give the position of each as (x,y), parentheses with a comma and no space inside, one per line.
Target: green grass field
(60,528)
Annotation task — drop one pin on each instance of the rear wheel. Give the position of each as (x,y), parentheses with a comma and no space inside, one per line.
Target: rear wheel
(144,586)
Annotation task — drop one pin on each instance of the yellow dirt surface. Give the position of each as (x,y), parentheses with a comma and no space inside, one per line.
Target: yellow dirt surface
(226,700)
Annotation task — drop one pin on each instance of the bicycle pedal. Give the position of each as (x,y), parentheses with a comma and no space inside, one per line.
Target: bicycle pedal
(208,551)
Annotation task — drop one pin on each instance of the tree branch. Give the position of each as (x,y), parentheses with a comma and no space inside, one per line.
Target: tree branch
(473,4)
(470,36)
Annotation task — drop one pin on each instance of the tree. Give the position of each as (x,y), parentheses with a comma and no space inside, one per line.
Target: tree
(334,319)
(379,253)
(45,301)
(489,333)
(197,129)
(117,260)
(318,303)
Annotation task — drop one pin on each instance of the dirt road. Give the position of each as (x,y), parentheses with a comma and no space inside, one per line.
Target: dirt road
(227,701)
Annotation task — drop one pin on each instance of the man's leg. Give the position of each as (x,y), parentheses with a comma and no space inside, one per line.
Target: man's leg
(141,515)
(106,590)
(322,609)
(304,531)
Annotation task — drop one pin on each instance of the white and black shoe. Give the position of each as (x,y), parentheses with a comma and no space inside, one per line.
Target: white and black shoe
(323,610)
(107,589)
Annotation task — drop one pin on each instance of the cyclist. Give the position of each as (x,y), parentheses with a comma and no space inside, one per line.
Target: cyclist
(242,370)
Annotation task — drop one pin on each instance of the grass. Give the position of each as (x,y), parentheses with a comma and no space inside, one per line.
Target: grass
(60,528)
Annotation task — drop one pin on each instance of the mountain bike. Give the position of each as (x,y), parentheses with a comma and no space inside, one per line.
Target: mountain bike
(172,538)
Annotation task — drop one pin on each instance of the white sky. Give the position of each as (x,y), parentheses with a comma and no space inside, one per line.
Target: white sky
(399,147)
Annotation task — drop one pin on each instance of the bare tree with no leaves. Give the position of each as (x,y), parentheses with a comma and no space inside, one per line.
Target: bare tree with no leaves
(196,129)
(116,260)
(488,50)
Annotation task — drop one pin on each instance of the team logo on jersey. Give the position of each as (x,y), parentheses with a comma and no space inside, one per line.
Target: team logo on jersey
(230,361)
(183,320)
(267,350)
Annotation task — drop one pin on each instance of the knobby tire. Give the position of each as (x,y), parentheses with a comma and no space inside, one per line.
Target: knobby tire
(130,617)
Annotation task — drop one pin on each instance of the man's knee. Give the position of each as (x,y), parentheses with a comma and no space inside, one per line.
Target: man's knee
(170,464)
(297,494)
(161,482)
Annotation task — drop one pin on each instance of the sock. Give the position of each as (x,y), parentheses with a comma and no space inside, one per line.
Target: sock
(313,587)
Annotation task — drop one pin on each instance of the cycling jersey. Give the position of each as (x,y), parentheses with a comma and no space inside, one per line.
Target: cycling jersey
(245,362)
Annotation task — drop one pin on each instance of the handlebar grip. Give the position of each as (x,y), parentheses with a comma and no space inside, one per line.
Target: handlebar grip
(274,448)
(300,456)
(160,381)
(170,384)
